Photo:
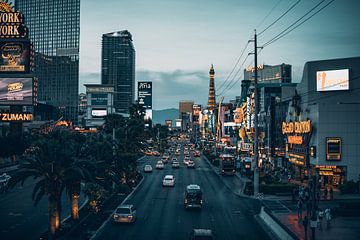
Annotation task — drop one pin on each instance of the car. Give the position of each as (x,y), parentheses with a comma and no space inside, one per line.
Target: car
(191,164)
(203,234)
(159,165)
(197,153)
(156,153)
(174,159)
(169,180)
(193,196)
(147,168)
(124,213)
(186,152)
(165,159)
(175,164)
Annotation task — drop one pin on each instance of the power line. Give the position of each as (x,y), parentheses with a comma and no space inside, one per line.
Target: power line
(285,32)
(292,6)
(262,21)
(237,62)
(232,83)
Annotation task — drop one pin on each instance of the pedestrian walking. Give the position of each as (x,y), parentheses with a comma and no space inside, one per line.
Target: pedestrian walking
(325,193)
(331,193)
(305,223)
(320,218)
(299,208)
(308,208)
(328,217)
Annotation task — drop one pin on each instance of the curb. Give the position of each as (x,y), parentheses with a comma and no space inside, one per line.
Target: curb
(217,173)
(101,228)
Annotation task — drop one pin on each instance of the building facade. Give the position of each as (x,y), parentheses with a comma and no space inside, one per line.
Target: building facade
(54,29)
(118,68)
(322,126)
(99,104)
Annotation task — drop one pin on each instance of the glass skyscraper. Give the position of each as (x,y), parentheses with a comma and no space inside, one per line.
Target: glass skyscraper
(54,29)
(118,68)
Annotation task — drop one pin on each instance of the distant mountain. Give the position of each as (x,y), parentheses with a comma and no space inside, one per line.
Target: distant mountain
(159,116)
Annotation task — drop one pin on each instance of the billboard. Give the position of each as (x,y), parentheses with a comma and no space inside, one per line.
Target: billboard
(16,117)
(98,113)
(145,94)
(15,57)
(333,80)
(16,91)
(99,99)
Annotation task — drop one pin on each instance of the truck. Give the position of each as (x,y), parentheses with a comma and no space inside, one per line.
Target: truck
(227,164)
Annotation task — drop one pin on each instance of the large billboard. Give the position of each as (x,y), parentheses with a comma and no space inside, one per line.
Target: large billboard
(145,94)
(16,91)
(333,80)
(15,57)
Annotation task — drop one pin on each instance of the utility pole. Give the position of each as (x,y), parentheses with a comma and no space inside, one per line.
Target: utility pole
(256,132)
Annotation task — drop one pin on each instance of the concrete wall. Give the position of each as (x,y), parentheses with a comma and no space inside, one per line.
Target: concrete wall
(275,226)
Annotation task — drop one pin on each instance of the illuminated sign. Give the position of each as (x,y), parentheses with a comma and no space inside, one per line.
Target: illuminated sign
(296,161)
(246,147)
(296,127)
(168,123)
(313,151)
(98,113)
(99,99)
(16,91)
(145,94)
(11,22)
(16,117)
(91,89)
(295,140)
(15,57)
(333,80)
(333,149)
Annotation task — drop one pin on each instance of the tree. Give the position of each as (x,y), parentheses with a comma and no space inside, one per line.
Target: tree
(51,161)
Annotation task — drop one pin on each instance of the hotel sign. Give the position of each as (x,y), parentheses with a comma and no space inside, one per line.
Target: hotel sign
(16,117)
(296,127)
(11,22)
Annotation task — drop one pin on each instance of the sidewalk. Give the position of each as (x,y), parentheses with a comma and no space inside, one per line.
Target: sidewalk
(340,227)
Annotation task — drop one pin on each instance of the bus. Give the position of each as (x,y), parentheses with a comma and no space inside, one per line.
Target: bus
(227,164)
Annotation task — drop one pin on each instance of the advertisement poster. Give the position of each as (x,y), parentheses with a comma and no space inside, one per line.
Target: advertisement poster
(16,91)
(15,57)
(145,94)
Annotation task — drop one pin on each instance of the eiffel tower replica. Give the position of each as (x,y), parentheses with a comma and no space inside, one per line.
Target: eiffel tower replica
(211,100)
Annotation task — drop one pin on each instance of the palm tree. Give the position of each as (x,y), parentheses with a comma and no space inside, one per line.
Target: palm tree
(51,161)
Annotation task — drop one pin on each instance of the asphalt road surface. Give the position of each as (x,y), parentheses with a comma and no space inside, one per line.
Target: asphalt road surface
(161,213)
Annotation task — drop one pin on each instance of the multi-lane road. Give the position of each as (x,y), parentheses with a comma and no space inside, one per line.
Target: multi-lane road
(161,213)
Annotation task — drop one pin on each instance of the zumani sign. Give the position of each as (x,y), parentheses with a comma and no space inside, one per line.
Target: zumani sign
(16,117)
(11,22)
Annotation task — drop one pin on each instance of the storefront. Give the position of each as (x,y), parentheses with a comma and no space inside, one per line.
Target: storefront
(331,175)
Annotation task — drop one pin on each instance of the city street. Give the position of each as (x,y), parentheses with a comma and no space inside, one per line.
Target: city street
(23,219)
(161,213)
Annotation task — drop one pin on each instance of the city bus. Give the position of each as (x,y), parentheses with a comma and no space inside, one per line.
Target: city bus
(227,164)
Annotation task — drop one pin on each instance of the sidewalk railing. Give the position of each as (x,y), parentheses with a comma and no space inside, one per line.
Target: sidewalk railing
(278,228)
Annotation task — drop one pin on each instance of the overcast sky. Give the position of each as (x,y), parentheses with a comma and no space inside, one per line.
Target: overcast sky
(176,41)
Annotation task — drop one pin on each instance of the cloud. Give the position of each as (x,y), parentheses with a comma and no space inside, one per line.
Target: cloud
(171,87)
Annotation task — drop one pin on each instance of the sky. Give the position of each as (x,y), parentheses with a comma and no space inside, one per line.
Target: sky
(176,41)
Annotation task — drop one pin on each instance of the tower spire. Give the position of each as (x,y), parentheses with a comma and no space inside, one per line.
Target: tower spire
(211,100)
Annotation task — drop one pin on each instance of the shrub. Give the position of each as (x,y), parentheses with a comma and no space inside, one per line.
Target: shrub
(349,187)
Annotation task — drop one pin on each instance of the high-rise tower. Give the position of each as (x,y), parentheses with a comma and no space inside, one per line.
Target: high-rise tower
(54,30)
(212,101)
(118,68)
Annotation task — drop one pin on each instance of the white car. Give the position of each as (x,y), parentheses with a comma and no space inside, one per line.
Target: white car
(191,164)
(148,168)
(159,165)
(168,180)
(175,164)
(125,213)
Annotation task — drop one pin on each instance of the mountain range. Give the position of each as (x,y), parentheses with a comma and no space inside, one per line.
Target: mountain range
(159,116)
